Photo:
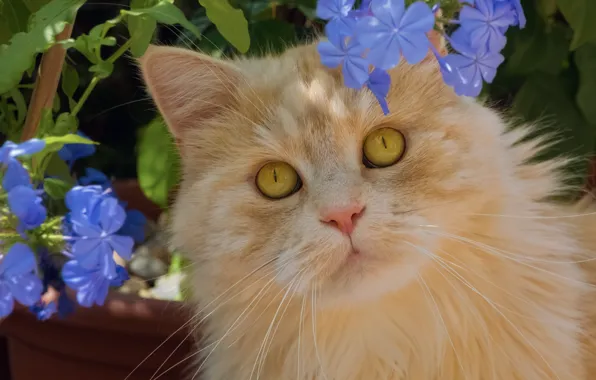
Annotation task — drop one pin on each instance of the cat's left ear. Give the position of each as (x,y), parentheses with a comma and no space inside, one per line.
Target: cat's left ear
(188,87)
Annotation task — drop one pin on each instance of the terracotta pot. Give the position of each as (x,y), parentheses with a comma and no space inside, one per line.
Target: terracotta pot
(100,343)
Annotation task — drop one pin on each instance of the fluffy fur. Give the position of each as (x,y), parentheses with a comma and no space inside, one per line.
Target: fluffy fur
(464,272)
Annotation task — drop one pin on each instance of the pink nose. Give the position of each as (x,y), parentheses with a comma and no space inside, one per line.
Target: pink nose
(343,218)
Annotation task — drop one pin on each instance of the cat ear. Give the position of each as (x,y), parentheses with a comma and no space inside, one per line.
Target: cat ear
(438,41)
(187,87)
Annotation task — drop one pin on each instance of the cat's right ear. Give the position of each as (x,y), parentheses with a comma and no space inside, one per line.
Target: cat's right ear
(187,87)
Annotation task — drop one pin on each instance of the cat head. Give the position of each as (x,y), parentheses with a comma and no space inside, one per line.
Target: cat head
(291,177)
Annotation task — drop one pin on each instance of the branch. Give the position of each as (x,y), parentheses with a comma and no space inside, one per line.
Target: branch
(46,84)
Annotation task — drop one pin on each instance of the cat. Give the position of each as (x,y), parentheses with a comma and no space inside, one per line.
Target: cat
(448,264)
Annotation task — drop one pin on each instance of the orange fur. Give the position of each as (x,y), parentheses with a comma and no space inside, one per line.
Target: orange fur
(466,272)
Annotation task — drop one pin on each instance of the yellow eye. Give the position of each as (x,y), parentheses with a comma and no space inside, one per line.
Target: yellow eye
(383,147)
(278,180)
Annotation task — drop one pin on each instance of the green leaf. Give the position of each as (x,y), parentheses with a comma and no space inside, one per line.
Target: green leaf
(19,101)
(585,60)
(539,48)
(230,22)
(45,24)
(14,15)
(70,81)
(58,168)
(545,98)
(271,36)
(65,124)
(166,13)
(102,69)
(158,162)
(55,143)
(56,188)
(546,8)
(581,15)
(46,124)
(141,28)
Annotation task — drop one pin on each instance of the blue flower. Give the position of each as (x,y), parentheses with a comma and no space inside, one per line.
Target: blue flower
(520,17)
(94,177)
(15,172)
(97,240)
(82,201)
(91,285)
(42,311)
(487,22)
(72,152)
(134,226)
(337,51)
(466,71)
(26,205)
(379,83)
(393,31)
(18,280)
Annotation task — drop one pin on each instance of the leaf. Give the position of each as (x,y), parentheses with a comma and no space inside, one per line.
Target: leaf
(45,24)
(158,163)
(166,13)
(65,124)
(585,60)
(141,28)
(70,81)
(46,124)
(230,22)
(14,15)
(56,188)
(19,101)
(539,49)
(102,69)
(271,36)
(545,98)
(58,168)
(55,143)
(581,15)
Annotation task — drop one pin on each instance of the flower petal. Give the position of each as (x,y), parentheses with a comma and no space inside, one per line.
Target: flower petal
(26,289)
(418,17)
(111,215)
(6,300)
(18,261)
(15,175)
(31,146)
(122,245)
(414,46)
(355,72)
(87,251)
(329,9)
(331,56)
(75,276)
(389,12)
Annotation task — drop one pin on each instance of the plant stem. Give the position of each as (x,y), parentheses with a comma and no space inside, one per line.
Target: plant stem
(117,54)
(46,84)
(85,95)
(121,50)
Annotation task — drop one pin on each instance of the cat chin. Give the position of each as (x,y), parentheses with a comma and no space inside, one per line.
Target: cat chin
(361,280)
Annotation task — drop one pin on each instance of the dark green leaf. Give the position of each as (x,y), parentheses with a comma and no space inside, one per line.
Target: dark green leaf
(46,124)
(581,15)
(58,168)
(585,59)
(70,80)
(539,49)
(45,24)
(230,22)
(158,163)
(546,8)
(102,69)
(544,98)
(56,188)
(19,101)
(166,13)
(271,36)
(55,143)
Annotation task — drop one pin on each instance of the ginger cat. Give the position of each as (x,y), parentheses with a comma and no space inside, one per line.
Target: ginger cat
(446,263)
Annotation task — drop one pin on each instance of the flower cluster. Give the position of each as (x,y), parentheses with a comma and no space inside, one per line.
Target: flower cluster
(46,250)
(371,39)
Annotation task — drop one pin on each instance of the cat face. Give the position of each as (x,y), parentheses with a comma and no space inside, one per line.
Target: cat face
(339,224)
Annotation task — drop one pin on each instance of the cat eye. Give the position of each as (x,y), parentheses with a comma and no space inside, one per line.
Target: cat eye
(278,180)
(383,147)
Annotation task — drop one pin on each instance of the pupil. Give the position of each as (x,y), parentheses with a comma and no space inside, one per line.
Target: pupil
(384,143)
(275,175)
